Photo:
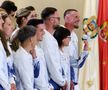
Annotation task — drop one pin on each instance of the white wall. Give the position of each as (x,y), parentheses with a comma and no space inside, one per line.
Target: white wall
(61,5)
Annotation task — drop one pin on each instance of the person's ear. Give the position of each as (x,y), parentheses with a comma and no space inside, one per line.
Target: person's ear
(24,19)
(31,40)
(52,20)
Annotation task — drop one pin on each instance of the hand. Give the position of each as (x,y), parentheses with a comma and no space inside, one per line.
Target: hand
(71,85)
(13,86)
(85,45)
(65,86)
(51,89)
(33,53)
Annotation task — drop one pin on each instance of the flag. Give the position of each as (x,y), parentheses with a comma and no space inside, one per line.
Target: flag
(89,73)
(103,44)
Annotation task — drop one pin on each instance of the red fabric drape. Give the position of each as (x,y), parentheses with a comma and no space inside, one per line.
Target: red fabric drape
(103,46)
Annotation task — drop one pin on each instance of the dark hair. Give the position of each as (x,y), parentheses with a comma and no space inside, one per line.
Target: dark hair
(26,32)
(15,44)
(60,34)
(35,22)
(9,6)
(47,12)
(68,11)
(31,8)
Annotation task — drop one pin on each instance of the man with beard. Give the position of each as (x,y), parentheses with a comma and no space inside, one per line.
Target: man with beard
(50,47)
(72,19)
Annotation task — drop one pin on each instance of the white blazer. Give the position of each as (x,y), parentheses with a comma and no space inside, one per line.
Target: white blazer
(11,71)
(42,78)
(23,63)
(52,57)
(3,68)
(65,63)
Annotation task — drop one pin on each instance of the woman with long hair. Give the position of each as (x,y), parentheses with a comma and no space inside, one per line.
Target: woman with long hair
(7,31)
(4,52)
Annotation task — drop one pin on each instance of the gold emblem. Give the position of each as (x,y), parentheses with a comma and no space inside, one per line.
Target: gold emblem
(90,28)
(103,34)
(90,82)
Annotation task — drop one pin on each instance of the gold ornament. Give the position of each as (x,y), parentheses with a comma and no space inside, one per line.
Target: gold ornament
(90,82)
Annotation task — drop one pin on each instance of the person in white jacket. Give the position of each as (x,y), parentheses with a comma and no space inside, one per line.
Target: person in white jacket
(40,68)
(4,83)
(7,30)
(50,47)
(22,17)
(72,19)
(62,35)
(23,60)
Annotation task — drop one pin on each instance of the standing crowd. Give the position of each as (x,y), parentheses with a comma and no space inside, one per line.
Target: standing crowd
(39,54)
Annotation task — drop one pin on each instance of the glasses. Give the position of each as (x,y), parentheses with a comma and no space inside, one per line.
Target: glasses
(69,37)
(56,18)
